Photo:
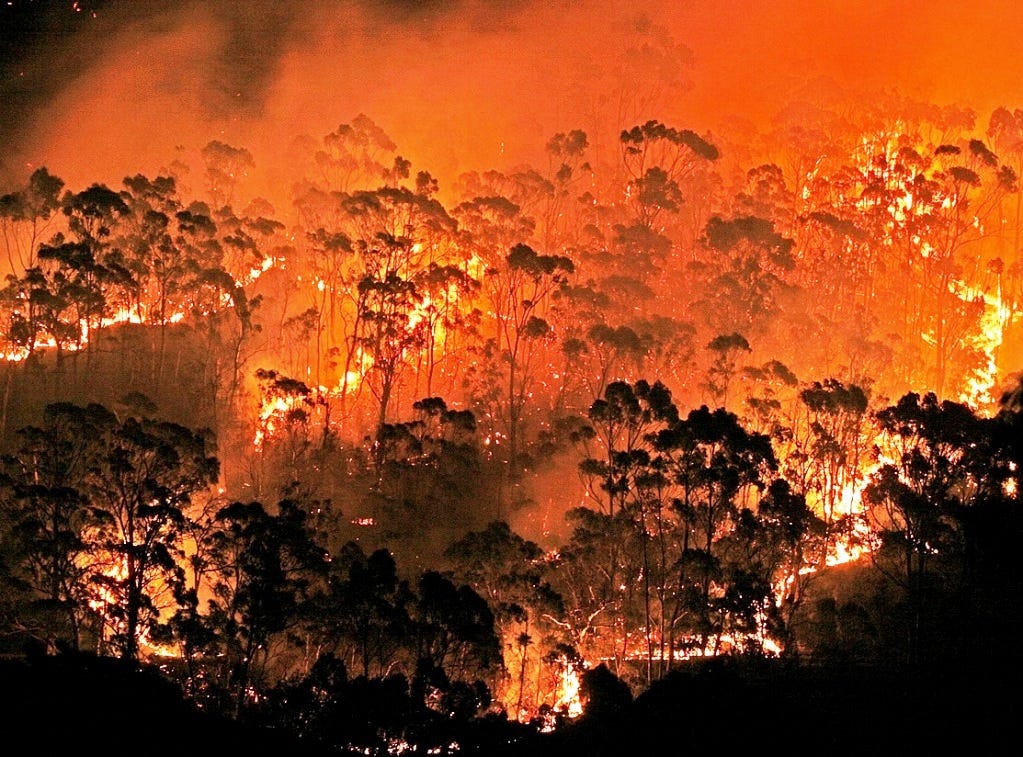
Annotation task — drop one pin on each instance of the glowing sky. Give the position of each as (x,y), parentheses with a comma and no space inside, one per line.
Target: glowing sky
(116,87)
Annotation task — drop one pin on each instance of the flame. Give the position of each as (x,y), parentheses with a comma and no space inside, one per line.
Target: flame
(138,315)
(854,543)
(978,392)
(851,546)
(353,379)
(567,694)
(420,313)
(101,598)
(271,413)
(255,272)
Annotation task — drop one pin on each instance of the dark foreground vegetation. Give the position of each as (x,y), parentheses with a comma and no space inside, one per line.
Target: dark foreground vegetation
(730,706)
(721,706)
(78,702)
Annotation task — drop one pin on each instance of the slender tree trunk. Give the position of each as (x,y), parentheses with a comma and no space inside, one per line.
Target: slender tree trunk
(8,380)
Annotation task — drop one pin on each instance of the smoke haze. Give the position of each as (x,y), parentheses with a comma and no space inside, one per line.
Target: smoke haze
(119,88)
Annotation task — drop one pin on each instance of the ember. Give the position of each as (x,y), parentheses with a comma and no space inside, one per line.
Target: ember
(364,374)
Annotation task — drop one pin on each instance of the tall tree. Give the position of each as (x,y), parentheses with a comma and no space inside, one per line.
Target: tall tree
(519,291)
(508,571)
(262,568)
(631,484)
(717,467)
(139,488)
(362,616)
(25,217)
(939,462)
(453,638)
(829,454)
(745,274)
(47,514)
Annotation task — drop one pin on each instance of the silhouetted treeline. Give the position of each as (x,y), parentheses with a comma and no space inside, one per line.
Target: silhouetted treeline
(275,450)
(250,619)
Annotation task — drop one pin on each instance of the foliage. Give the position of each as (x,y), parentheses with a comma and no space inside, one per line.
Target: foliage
(431,363)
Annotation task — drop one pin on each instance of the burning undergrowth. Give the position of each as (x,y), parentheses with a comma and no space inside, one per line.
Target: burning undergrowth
(321,427)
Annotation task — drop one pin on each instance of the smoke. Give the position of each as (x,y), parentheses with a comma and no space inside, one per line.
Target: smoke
(99,90)
(117,88)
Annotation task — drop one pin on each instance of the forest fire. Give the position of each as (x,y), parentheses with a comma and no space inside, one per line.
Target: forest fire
(981,391)
(381,314)
(459,415)
(567,696)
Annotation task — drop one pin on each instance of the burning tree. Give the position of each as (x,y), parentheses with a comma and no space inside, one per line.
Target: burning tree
(115,517)
(410,347)
(681,553)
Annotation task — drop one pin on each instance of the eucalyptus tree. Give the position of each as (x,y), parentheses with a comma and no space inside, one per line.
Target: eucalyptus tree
(166,246)
(225,167)
(384,257)
(938,469)
(829,455)
(36,312)
(744,274)
(509,572)
(285,431)
(725,349)
(26,216)
(966,182)
(1005,129)
(429,469)
(90,257)
(607,354)
(717,468)
(658,158)
(139,491)
(453,640)
(680,554)
(100,504)
(47,521)
(629,487)
(519,289)
(389,331)
(263,566)
(768,555)
(558,221)
(355,155)
(362,618)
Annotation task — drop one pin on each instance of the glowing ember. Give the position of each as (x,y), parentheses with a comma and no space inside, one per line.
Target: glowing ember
(871,232)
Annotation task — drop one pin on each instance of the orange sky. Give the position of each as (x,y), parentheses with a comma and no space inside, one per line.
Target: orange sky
(477,85)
